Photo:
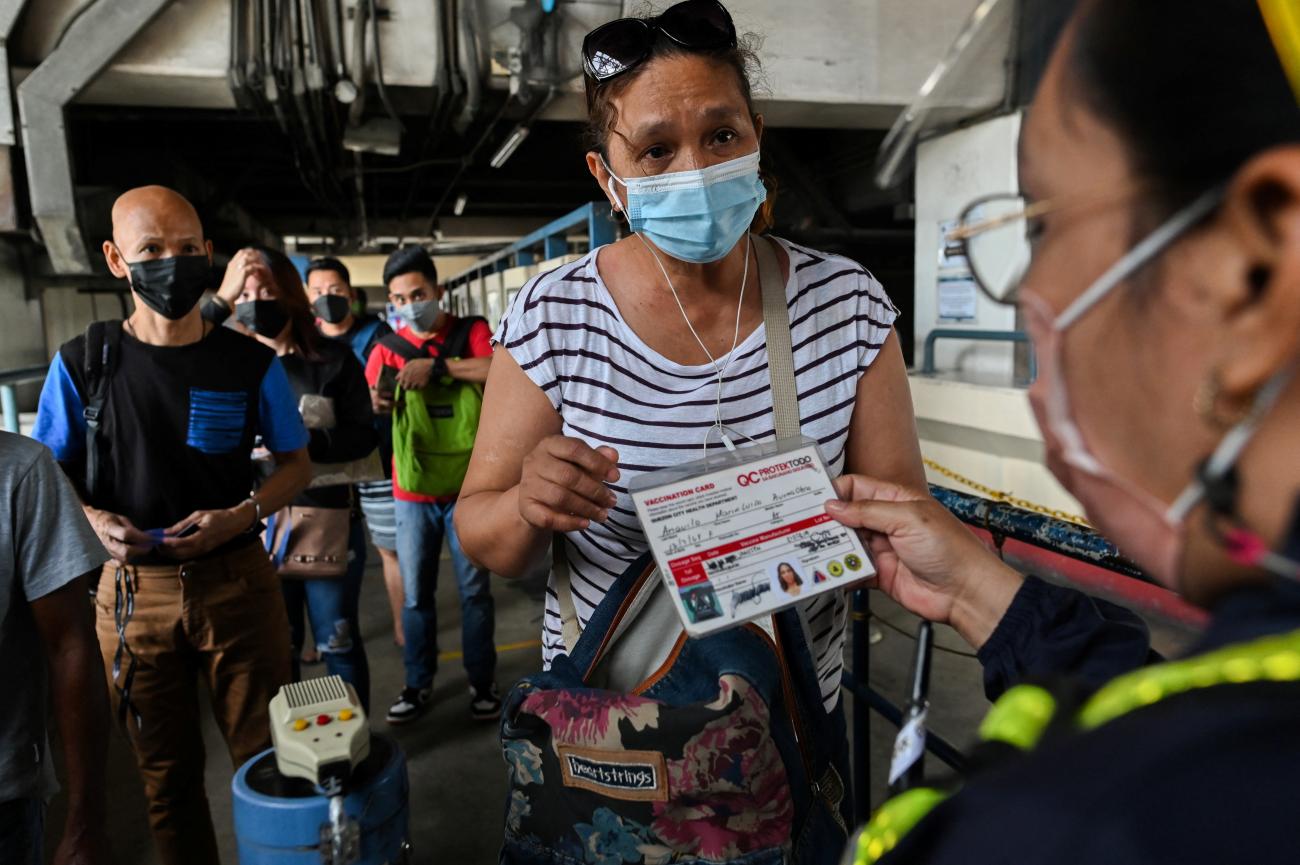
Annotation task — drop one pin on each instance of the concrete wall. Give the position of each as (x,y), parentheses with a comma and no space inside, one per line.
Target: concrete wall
(986,434)
(826,62)
(22,343)
(952,170)
(367,271)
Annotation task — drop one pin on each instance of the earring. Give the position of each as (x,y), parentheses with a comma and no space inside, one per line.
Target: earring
(1206,404)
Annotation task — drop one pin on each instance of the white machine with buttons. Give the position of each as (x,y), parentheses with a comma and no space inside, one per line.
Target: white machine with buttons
(318,727)
(320,734)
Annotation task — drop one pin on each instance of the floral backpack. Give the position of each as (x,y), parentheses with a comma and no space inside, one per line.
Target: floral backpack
(722,753)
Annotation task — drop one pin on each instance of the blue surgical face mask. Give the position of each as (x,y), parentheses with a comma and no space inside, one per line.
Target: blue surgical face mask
(696,216)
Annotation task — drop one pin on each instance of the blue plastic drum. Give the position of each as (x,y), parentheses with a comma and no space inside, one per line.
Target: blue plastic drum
(278,819)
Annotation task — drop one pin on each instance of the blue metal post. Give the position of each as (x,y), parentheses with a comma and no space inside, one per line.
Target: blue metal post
(555,246)
(9,408)
(524,256)
(599,226)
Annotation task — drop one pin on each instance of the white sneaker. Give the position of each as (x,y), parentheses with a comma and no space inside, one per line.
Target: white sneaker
(409,705)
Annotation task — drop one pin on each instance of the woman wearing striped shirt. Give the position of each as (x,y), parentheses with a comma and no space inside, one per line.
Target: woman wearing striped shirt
(609,367)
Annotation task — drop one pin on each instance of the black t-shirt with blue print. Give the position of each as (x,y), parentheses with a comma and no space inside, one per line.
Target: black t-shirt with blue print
(179,423)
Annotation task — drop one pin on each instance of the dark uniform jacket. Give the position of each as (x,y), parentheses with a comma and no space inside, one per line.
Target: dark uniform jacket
(1207,776)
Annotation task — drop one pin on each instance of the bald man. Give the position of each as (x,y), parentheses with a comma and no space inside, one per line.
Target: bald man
(167,482)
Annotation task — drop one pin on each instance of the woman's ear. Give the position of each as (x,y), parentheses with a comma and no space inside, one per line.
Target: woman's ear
(596,166)
(1261,213)
(758,128)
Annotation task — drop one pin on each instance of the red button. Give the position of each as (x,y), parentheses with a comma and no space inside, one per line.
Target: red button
(322,720)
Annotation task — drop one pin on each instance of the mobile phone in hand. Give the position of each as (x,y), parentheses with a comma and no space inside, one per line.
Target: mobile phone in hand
(387,383)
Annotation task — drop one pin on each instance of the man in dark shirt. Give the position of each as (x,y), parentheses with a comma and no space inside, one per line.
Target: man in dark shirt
(335,302)
(166,485)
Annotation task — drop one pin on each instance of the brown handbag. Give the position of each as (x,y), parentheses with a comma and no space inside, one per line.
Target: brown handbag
(308,543)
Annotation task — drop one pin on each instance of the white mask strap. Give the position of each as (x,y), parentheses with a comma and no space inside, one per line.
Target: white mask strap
(1229,450)
(609,184)
(1153,245)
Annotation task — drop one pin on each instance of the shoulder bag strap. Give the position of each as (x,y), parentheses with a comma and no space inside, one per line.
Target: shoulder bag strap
(570,630)
(780,366)
(780,355)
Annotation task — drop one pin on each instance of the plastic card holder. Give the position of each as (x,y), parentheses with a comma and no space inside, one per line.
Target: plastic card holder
(740,535)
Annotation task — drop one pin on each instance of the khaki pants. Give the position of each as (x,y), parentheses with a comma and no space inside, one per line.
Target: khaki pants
(221,620)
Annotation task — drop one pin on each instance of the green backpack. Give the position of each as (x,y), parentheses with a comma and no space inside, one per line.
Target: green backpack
(434,428)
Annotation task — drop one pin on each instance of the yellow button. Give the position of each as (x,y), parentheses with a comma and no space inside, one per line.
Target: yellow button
(345,715)
(301,724)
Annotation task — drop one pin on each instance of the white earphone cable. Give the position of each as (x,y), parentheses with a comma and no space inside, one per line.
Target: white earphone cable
(735,341)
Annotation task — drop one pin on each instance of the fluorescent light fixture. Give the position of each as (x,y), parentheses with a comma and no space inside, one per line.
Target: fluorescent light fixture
(461,201)
(509,146)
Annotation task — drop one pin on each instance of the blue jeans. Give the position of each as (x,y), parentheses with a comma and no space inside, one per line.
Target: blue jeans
(421,528)
(22,825)
(332,611)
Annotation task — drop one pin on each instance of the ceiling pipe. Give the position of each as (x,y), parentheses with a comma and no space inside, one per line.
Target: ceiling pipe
(88,46)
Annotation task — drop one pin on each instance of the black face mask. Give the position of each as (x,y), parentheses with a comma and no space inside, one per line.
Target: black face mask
(262,317)
(171,286)
(332,308)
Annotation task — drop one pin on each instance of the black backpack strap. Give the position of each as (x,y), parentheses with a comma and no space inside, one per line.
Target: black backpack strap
(458,339)
(402,347)
(103,342)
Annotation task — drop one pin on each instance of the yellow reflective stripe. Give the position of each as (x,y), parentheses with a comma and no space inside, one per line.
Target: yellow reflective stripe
(1019,717)
(894,820)
(1271,659)
(1283,20)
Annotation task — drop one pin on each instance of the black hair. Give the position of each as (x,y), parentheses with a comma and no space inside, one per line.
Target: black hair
(742,60)
(601,114)
(410,259)
(330,264)
(1194,89)
(292,298)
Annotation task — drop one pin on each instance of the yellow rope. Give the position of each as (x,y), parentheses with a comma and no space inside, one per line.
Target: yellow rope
(1008,498)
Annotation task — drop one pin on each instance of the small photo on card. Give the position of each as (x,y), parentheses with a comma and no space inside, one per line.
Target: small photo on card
(788,579)
(701,603)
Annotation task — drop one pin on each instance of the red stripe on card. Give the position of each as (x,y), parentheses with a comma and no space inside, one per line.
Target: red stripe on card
(689,570)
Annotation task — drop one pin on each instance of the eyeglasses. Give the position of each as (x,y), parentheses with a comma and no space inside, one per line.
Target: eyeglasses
(996,234)
(614,48)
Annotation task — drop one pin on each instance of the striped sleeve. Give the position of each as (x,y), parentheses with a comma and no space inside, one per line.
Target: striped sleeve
(525,333)
(875,316)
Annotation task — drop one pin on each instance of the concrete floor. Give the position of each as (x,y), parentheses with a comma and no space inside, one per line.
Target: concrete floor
(456,772)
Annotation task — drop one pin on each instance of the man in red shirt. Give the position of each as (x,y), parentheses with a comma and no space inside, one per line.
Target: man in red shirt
(415,352)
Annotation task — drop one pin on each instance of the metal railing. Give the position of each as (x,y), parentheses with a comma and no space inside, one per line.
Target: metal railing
(551,241)
(1013,336)
(9,396)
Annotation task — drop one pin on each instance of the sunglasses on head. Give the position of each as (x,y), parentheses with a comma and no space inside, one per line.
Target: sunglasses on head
(614,48)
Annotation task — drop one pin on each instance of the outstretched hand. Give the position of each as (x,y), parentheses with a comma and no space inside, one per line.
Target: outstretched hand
(925,559)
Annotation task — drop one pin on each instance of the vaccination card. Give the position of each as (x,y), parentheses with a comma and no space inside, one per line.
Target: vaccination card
(741,535)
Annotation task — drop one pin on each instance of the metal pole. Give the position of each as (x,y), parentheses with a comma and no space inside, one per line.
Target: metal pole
(861,711)
(8,408)
(918,703)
